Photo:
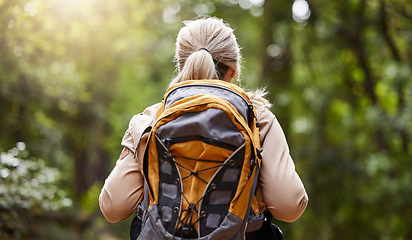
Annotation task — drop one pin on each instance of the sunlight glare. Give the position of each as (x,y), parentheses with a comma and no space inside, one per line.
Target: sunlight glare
(30,9)
(169,14)
(300,11)
(245,4)
(257,2)
(70,8)
(204,8)
(301,125)
(274,51)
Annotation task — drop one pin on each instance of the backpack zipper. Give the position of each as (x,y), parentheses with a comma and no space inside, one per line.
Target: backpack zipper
(250,114)
(210,85)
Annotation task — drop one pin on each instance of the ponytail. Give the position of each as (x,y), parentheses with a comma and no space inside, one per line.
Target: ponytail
(206,48)
(199,65)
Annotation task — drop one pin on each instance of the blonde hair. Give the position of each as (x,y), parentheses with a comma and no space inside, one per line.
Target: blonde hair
(258,99)
(206,48)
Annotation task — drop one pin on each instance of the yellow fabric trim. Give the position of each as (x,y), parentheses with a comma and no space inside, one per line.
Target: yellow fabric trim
(153,171)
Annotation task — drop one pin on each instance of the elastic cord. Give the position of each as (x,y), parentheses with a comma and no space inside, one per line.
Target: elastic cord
(204,49)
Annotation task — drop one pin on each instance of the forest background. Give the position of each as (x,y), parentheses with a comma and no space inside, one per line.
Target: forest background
(73,73)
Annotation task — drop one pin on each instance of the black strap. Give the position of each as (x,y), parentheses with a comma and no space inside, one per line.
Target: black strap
(252,192)
(148,129)
(268,231)
(136,225)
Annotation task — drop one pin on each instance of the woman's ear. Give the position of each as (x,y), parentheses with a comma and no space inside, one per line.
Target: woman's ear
(230,74)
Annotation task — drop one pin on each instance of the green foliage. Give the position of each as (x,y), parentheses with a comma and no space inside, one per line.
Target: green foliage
(28,189)
(90,202)
(354,86)
(72,73)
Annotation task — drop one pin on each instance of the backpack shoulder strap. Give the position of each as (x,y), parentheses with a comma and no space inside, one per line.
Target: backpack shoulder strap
(148,129)
(255,222)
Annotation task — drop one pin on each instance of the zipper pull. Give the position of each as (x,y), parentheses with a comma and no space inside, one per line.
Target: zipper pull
(251,114)
(252,164)
(259,151)
(169,142)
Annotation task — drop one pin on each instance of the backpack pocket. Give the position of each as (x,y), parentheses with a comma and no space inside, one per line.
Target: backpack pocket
(230,228)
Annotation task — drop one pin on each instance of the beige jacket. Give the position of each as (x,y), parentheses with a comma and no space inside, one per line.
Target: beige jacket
(280,188)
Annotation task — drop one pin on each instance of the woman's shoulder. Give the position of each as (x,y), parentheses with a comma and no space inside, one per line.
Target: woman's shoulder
(268,124)
(148,113)
(265,115)
(138,124)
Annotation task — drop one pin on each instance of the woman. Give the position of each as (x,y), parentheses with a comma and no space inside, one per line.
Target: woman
(206,48)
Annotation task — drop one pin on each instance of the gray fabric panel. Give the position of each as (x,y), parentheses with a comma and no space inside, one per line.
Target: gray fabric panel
(167,213)
(166,167)
(213,220)
(169,190)
(220,197)
(231,228)
(190,90)
(255,222)
(152,227)
(230,175)
(212,123)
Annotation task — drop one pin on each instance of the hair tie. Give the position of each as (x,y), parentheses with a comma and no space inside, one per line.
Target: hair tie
(203,49)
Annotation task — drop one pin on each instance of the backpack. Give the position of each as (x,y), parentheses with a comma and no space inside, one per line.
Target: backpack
(201,164)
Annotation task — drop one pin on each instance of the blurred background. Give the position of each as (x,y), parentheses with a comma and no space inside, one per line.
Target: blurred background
(73,73)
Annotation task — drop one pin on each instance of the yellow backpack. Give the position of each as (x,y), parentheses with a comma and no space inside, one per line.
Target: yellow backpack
(201,164)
